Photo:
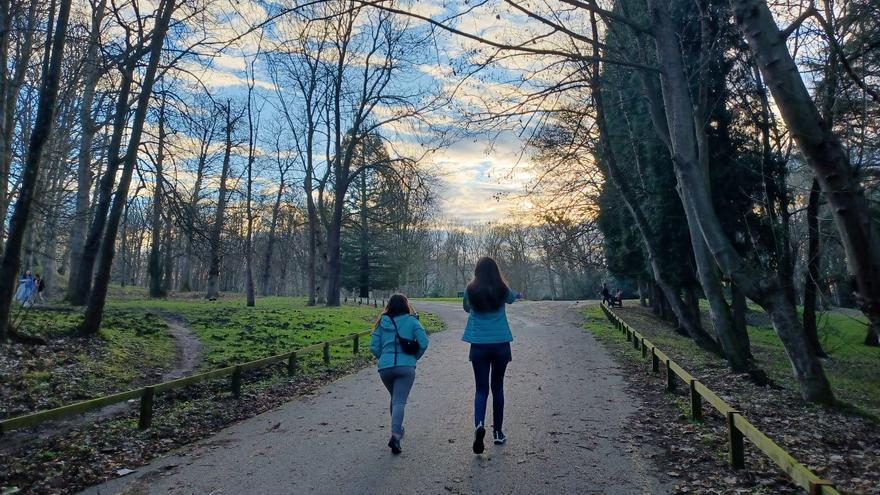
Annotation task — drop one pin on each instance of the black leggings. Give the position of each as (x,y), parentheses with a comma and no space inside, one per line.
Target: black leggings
(490,363)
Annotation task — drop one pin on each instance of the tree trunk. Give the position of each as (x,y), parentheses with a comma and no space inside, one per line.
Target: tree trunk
(692,187)
(734,350)
(656,307)
(740,328)
(776,197)
(95,309)
(5,145)
(10,89)
(314,251)
(608,163)
(216,230)
(643,292)
(364,251)
(270,240)
(821,148)
(168,278)
(31,170)
(186,284)
(83,170)
(249,212)
(81,281)
(706,268)
(332,270)
(49,251)
(123,263)
(812,275)
(155,268)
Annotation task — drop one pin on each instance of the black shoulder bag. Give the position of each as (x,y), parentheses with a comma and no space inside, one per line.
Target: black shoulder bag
(408,346)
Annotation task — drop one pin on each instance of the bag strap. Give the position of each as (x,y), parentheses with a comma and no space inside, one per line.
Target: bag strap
(396,335)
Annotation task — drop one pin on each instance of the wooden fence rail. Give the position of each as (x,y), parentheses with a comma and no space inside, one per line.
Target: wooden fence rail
(738,427)
(376,303)
(148,393)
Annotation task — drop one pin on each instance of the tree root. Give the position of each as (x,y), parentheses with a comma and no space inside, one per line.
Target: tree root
(26,338)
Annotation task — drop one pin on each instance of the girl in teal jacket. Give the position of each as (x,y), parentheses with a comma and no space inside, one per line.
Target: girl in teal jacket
(489,334)
(397,369)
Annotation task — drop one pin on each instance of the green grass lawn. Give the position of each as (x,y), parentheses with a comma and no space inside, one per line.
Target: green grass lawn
(134,346)
(232,333)
(132,341)
(851,368)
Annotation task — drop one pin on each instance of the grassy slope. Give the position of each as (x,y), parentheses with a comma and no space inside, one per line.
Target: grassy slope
(135,347)
(231,332)
(851,368)
(128,345)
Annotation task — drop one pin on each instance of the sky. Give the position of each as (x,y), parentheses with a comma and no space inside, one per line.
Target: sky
(482,176)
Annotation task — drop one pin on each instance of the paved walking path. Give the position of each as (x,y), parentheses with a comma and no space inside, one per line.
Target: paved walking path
(566,405)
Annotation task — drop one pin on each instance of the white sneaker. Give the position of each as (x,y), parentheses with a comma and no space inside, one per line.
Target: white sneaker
(499,437)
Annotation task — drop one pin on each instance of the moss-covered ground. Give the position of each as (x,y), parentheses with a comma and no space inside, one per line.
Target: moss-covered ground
(135,347)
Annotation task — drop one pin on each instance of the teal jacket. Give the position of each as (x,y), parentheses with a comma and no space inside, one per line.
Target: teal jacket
(384,341)
(487,328)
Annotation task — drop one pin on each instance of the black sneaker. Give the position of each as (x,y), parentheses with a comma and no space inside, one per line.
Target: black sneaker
(394,443)
(499,437)
(479,433)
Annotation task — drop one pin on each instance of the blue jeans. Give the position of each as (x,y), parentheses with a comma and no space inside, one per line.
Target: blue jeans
(489,362)
(399,381)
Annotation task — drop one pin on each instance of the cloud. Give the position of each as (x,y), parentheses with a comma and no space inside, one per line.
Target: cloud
(482,182)
(216,78)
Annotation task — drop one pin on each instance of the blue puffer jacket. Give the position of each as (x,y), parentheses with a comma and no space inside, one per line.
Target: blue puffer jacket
(384,342)
(490,327)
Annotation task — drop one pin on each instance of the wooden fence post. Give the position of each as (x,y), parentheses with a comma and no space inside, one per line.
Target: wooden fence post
(655,361)
(735,448)
(696,403)
(355,344)
(635,341)
(236,382)
(670,378)
(327,353)
(146,417)
(628,335)
(291,364)
(644,349)
(816,486)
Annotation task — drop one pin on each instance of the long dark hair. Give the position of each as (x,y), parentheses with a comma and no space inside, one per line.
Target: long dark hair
(397,305)
(488,290)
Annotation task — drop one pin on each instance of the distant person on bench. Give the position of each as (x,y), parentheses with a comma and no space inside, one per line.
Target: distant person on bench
(618,299)
(606,295)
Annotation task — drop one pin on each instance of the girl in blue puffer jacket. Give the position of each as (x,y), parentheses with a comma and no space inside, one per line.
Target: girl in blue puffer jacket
(488,332)
(397,369)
